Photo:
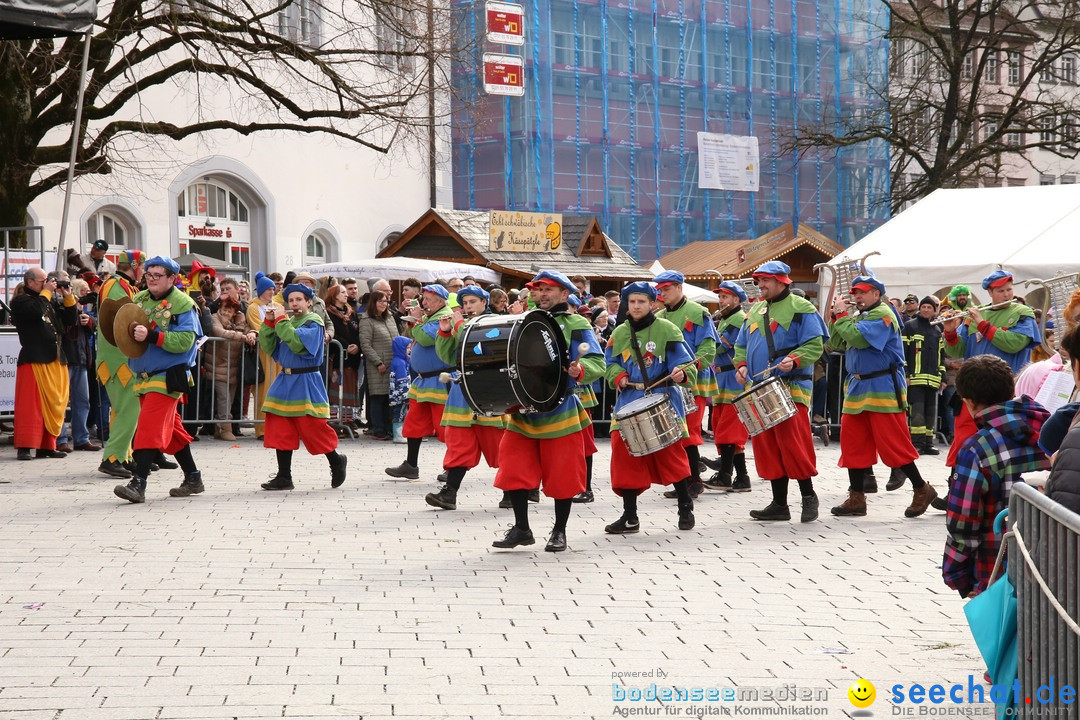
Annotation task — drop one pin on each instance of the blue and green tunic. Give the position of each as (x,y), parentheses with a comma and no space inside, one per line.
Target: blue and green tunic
(700,335)
(457,412)
(727,329)
(874,360)
(177,323)
(1009,333)
(798,332)
(425,360)
(662,348)
(296,342)
(569,417)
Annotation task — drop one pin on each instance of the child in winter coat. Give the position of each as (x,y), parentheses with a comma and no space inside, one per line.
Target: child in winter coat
(399,385)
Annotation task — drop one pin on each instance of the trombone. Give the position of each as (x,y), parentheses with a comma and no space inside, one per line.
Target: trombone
(961,313)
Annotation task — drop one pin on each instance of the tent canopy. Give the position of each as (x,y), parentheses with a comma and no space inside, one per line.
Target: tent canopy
(960,236)
(402,268)
(45,18)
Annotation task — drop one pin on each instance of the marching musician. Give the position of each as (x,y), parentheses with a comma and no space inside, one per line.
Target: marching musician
(646,339)
(698,330)
(297,406)
(162,377)
(427,396)
(729,433)
(114,373)
(873,421)
(783,334)
(468,435)
(548,448)
(588,399)
(1008,331)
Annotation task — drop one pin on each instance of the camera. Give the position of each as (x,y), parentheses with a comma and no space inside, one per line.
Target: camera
(63,283)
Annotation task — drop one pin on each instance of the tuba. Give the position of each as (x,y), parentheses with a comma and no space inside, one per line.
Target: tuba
(1058,291)
(842,275)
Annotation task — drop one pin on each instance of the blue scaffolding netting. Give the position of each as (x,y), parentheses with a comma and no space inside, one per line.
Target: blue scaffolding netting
(616,92)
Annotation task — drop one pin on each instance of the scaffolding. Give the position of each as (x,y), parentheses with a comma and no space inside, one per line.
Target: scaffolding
(617,90)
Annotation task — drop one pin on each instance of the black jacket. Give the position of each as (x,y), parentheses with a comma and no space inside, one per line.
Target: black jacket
(1064,483)
(924,353)
(41,325)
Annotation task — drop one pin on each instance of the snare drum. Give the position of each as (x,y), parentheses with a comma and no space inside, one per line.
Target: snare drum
(688,399)
(764,406)
(649,424)
(513,363)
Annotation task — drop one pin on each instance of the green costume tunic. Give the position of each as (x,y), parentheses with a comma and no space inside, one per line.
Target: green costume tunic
(113,372)
(700,336)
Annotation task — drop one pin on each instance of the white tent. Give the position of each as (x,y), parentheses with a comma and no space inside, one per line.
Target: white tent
(692,292)
(961,236)
(401,268)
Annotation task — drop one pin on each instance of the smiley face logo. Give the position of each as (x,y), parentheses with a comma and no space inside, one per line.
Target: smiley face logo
(862,693)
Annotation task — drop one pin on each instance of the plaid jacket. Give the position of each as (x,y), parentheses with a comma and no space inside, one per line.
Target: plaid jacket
(987,465)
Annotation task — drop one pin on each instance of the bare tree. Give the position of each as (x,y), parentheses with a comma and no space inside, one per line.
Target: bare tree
(973,89)
(359,70)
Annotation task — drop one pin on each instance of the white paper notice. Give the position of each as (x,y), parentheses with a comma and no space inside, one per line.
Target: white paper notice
(727,162)
(1055,391)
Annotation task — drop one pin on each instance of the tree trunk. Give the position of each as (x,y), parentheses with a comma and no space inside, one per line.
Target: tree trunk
(16,151)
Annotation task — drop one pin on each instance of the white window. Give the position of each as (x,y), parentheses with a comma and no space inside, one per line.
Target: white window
(990,128)
(1016,67)
(992,75)
(300,21)
(108,227)
(1046,180)
(1047,133)
(210,200)
(314,250)
(968,71)
(393,23)
(1068,179)
(1067,69)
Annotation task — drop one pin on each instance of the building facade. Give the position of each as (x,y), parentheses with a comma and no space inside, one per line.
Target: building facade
(616,92)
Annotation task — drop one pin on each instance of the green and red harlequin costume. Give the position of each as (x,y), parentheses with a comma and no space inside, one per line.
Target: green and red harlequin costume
(467,435)
(427,395)
(663,349)
(727,428)
(549,447)
(874,419)
(698,331)
(113,372)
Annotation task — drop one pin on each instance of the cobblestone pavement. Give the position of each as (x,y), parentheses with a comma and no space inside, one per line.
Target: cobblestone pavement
(366,602)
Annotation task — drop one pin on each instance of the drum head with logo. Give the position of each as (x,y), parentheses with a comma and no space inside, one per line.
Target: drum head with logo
(538,361)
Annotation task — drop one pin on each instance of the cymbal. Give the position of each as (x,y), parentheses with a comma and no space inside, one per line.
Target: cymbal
(126,318)
(106,316)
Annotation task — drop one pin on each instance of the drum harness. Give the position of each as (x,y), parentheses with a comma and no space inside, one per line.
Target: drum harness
(646,385)
(774,353)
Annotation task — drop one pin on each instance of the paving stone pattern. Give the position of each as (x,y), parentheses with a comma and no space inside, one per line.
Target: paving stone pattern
(366,602)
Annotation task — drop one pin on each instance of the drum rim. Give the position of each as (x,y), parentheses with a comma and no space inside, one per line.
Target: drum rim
(755,386)
(517,322)
(560,342)
(615,414)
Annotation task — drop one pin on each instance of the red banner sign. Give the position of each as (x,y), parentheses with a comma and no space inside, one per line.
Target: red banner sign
(505,23)
(504,75)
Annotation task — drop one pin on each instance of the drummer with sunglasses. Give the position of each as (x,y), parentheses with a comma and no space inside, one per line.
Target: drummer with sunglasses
(783,336)
(549,448)
(467,435)
(668,361)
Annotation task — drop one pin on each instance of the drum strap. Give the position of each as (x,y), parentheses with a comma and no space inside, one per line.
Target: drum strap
(775,354)
(634,346)
(435,373)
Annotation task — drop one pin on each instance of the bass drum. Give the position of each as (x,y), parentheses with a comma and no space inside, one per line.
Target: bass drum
(513,363)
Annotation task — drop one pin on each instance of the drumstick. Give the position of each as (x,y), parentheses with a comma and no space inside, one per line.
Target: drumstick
(665,379)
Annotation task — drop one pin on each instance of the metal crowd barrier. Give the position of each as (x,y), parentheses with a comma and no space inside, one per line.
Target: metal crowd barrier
(1044,566)
(202,398)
